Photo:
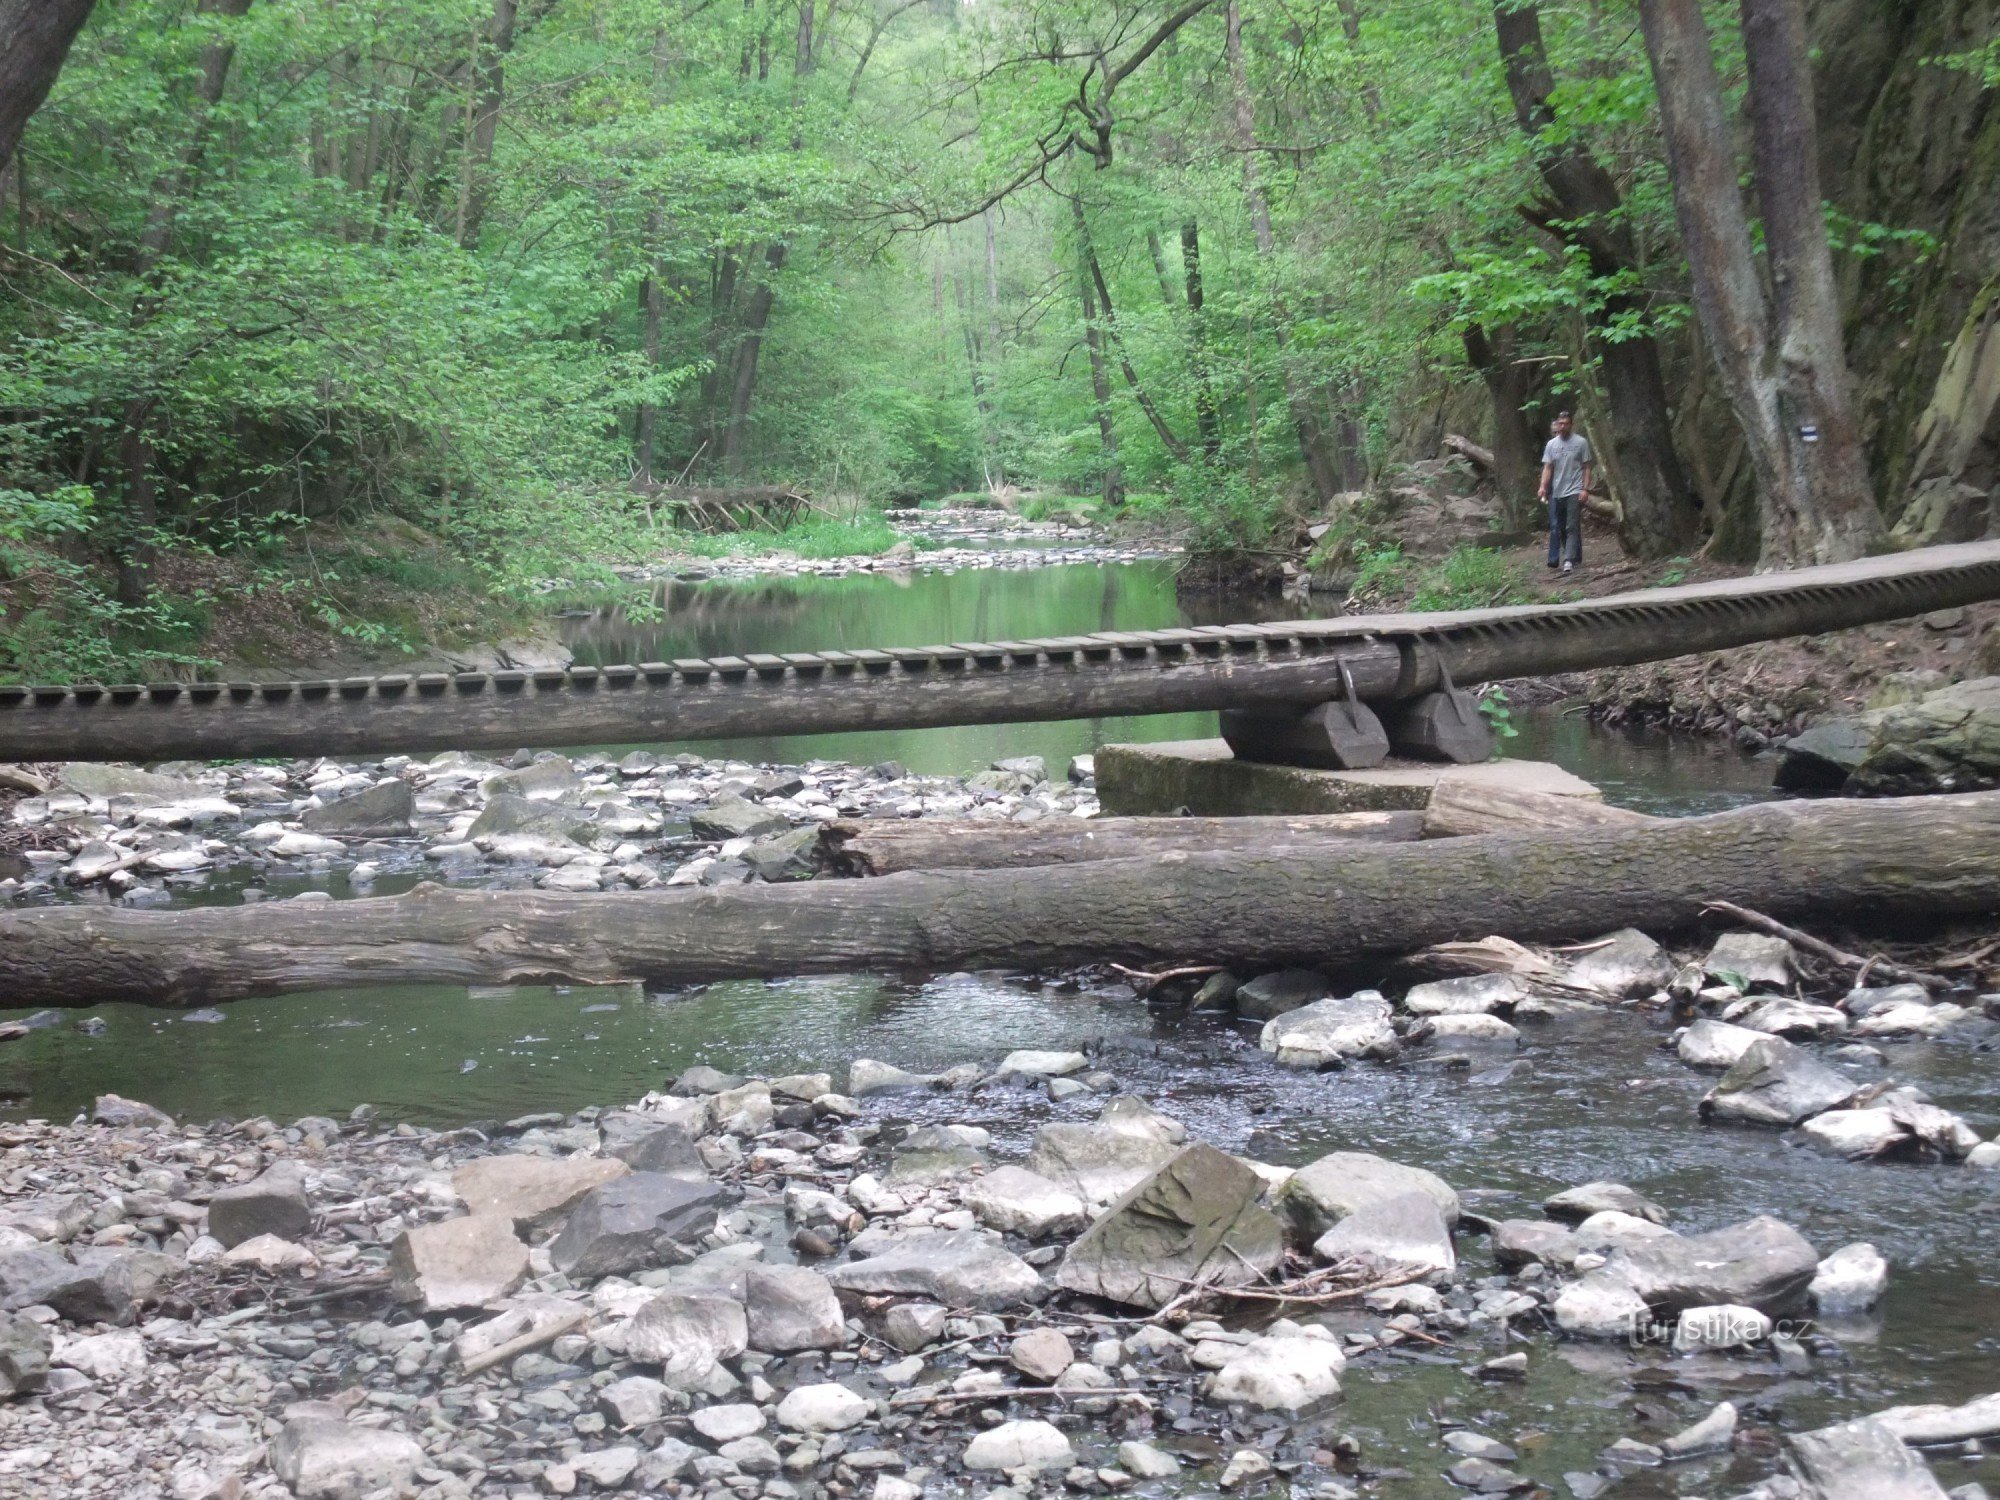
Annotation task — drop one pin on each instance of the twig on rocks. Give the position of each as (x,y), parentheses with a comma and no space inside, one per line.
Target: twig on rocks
(1309,1290)
(1823,949)
(1150,981)
(1080,1393)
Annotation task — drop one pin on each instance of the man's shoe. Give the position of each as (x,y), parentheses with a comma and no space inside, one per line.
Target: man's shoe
(1569,567)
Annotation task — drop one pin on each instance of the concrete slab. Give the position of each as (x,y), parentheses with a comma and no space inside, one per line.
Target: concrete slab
(1204,778)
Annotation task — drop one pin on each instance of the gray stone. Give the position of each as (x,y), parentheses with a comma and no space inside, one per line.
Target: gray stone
(1041,1354)
(866,1076)
(99,1286)
(639,1401)
(1861,1460)
(1144,1461)
(1484,1477)
(1271,995)
(791,855)
(1031,1445)
(1860,1003)
(959,1268)
(1625,964)
(1753,957)
(1933,1426)
(636,1222)
(383,811)
(1322,1193)
(1098,1162)
(1947,741)
(1043,1064)
(457,1263)
(1574,1205)
(1602,1305)
(1519,1242)
(911,1326)
(1795,1020)
(1712,1434)
(1850,1280)
(273,1203)
(826,1407)
(1715,1045)
(1280,1373)
(323,1458)
(1761,1263)
(1328,1032)
(1466,995)
(1404,1235)
(733,818)
(652,1143)
(1776,1083)
(544,780)
(111,1110)
(725,1424)
(533,1191)
(1197,1218)
(702,1079)
(933,1155)
(523,817)
(94,779)
(1129,1115)
(1856,1134)
(607,1468)
(687,1336)
(1017,1201)
(791,1308)
(24,1355)
(1822,757)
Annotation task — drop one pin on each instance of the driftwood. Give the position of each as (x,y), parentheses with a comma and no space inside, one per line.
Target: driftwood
(1296,904)
(733,507)
(1472,452)
(1460,806)
(884,846)
(1887,968)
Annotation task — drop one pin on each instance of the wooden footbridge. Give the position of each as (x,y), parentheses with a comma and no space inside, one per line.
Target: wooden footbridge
(1265,670)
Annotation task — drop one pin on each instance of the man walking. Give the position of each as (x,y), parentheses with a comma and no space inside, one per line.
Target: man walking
(1565,480)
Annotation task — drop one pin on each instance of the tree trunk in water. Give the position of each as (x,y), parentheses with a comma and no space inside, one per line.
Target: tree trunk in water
(1806,512)
(1208,426)
(1839,517)
(1516,445)
(1662,513)
(885,846)
(1306,904)
(35,38)
(1321,467)
(474,186)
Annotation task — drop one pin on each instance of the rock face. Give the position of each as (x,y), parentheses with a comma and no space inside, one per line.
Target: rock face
(1947,741)
(322,1458)
(457,1263)
(1017,1201)
(1775,1083)
(383,811)
(1328,1032)
(653,1143)
(1626,963)
(533,1191)
(274,1203)
(635,1222)
(957,1268)
(1753,957)
(789,1308)
(1322,1193)
(1197,1218)
(1403,1235)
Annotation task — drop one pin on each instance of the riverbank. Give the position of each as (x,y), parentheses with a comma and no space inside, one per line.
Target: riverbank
(908,1283)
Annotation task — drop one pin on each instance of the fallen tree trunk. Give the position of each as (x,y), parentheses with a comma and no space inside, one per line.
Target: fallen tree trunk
(1298,904)
(884,846)
(1461,806)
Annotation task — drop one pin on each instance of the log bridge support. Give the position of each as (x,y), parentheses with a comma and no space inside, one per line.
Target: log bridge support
(1279,675)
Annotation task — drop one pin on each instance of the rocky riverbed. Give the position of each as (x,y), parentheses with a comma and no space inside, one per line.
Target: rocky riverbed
(1012,1276)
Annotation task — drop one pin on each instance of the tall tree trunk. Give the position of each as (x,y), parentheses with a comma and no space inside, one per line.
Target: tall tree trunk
(1100,379)
(756,316)
(1168,440)
(652,308)
(1584,209)
(1208,426)
(475,178)
(1808,507)
(35,38)
(1516,438)
(1322,469)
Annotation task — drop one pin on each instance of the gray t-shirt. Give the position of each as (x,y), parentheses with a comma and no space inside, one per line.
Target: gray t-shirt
(1566,456)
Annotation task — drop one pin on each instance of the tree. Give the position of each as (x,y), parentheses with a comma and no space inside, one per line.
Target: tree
(35,37)
(1779,352)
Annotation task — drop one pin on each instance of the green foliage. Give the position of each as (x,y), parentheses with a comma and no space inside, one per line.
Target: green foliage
(1499,715)
(1469,578)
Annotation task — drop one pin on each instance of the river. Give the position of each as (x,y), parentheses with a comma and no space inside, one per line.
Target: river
(1591,1098)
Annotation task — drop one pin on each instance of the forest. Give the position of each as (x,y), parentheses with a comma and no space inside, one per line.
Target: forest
(439,296)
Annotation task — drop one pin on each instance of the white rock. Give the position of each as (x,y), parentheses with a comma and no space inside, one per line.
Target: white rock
(1711,1434)
(1715,1045)
(1020,1445)
(297,845)
(1720,1326)
(1468,994)
(1600,1306)
(1483,1030)
(828,1407)
(1017,1201)
(321,1458)
(1850,1280)
(725,1424)
(1853,1133)
(268,1252)
(866,1076)
(104,1357)
(1280,1374)
(1327,1032)
(1144,1461)
(1044,1064)
(607,1468)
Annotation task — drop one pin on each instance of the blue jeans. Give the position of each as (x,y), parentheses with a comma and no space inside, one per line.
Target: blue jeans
(1566,529)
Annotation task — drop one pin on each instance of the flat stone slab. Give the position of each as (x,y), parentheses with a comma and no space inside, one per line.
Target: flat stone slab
(1205,778)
